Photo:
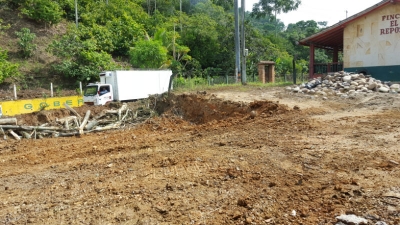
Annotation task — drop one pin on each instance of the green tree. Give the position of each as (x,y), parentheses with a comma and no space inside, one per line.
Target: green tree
(47,11)
(267,25)
(300,30)
(7,69)
(81,59)
(148,54)
(25,42)
(269,7)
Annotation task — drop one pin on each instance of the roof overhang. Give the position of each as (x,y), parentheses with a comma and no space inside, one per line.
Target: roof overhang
(332,37)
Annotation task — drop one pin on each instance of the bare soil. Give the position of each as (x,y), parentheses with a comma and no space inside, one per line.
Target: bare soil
(233,156)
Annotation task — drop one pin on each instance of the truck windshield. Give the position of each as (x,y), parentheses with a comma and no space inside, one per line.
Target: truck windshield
(90,91)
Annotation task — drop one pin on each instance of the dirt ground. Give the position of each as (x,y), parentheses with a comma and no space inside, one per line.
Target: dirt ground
(245,155)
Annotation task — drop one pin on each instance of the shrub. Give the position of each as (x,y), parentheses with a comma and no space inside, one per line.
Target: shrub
(148,54)
(25,42)
(47,11)
(7,69)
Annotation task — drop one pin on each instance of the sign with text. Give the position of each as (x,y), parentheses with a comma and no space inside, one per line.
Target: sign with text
(11,108)
(393,24)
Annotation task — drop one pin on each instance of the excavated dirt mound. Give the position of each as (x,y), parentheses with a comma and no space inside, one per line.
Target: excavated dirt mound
(201,109)
(208,159)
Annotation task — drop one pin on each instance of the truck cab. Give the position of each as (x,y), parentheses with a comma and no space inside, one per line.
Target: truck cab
(98,94)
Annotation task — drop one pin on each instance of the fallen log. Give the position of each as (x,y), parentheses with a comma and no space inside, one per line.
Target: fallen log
(123,108)
(67,120)
(4,134)
(126,114)
(26,135)
(31,128)
(14,135)
(73,111)
(85,120)
(12,121)
(109,126)
(91,124)
(105,122)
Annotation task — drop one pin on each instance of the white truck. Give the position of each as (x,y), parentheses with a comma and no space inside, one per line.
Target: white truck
(126,85)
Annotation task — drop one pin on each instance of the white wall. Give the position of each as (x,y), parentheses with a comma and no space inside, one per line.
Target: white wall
(374,39)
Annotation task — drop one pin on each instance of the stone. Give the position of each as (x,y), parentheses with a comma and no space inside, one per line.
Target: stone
(249,220)
(253,114)
(346,78)
(236,215)
(296,89)
(383,89)
(395,86)
(362,81)
(288,88)
(371,86)
(380,223)
(352,219)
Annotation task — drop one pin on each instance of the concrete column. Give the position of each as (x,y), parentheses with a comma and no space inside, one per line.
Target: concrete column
(271,73)
(261,73)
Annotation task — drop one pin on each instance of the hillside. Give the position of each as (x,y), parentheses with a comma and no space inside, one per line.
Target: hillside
(36,70)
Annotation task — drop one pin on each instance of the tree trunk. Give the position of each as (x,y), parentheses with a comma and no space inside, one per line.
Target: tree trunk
(12,121)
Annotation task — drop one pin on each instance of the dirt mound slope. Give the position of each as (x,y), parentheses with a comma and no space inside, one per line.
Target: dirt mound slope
(283,167)
(205,108)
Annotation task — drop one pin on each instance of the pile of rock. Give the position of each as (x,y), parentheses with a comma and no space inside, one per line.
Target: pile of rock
(346,84)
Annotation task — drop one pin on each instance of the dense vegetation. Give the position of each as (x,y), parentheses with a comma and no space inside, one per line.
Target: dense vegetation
(192,37)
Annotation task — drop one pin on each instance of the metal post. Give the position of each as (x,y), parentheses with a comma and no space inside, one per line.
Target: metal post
(51,89)
(15,92)
(76,13)
(294,70)
(244,52)
(237,39)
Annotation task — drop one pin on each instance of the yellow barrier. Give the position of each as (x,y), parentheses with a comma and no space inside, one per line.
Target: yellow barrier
(11,108)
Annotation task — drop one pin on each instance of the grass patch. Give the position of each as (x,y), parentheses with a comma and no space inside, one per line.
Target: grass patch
(200,84)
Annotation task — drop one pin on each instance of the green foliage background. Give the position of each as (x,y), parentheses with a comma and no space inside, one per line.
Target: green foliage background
(195,42)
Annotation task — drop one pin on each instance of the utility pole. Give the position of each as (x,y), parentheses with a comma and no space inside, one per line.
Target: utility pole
(173,47)
(237,40)
(294,69)
(76,13)
(244,52)
(180,14)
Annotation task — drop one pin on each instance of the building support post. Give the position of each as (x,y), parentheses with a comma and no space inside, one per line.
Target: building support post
(335,55)
(335,63)
(311,66)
